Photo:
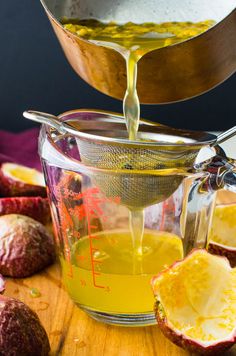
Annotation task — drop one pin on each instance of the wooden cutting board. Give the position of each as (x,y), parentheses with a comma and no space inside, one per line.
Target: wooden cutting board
(72,332)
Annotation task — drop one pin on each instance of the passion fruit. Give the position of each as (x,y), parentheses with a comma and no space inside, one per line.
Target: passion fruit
(26,247)
(21,332)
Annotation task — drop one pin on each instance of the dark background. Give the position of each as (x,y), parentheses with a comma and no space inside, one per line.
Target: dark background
(34,74)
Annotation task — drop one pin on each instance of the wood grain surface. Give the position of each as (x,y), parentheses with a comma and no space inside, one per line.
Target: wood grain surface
(72,332)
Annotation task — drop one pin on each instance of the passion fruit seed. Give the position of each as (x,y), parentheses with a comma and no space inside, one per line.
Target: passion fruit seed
(35,293)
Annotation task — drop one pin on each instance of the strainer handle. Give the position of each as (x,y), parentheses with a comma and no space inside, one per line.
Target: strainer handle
(45,118)
(225,136)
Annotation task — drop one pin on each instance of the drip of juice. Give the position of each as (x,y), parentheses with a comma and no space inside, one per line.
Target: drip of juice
(136,221)
(133,41)
(112,269)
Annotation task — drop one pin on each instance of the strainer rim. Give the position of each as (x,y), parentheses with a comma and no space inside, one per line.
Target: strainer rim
(210,138)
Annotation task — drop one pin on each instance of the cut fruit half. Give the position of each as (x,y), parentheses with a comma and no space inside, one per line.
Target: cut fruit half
(222,239)
(196,303)
(17,180)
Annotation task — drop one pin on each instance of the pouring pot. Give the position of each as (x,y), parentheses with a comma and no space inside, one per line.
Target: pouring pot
(164,75)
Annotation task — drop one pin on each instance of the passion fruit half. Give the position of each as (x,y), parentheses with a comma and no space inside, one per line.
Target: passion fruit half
(222,238)
(17,180)
(195,303)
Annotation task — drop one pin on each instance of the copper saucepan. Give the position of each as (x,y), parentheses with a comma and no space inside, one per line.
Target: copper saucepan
(167,75)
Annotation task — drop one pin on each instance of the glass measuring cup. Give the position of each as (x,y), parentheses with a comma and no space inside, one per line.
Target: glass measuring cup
(104,270)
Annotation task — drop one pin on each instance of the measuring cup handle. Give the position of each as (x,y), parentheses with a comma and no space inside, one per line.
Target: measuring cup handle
(229,180)
(222,174)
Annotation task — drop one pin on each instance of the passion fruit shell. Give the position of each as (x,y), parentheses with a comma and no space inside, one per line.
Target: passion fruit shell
(17,180)
(222,238)
(35,207)
(222,250)
(194,309)
(180,340)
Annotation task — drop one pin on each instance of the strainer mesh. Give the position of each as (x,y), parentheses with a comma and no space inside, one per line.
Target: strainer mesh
(135,174)
(124,157)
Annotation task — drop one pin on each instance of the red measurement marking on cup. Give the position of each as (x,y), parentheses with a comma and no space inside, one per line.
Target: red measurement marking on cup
(86,205)
(93,204)
(98,274)
(93,260)
(80,258)
(95,237)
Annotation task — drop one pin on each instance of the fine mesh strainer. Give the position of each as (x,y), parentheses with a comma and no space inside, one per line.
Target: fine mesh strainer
(140,173)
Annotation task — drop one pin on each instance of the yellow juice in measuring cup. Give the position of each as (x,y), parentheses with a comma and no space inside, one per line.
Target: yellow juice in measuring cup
(100,275)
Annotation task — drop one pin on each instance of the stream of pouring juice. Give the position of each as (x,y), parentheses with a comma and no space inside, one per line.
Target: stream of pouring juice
(133,41)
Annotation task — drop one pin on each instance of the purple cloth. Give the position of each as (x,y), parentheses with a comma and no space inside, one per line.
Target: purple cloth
(21,148)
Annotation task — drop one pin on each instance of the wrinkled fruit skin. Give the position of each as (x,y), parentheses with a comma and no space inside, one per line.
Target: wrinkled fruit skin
(26,247)
(223,251)
(21,333)
(35,207)
(187,344)
(10,187)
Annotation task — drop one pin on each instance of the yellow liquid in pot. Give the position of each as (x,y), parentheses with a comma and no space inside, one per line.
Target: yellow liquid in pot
(100,275)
